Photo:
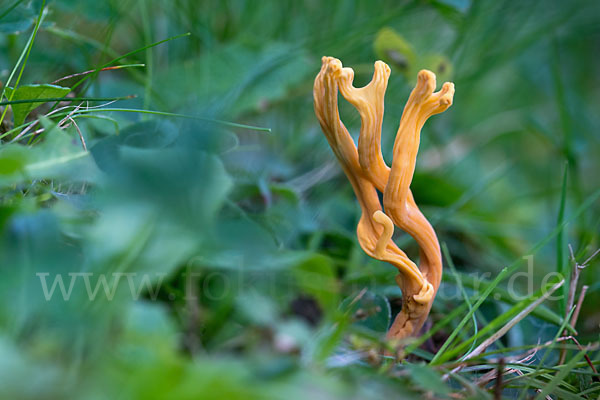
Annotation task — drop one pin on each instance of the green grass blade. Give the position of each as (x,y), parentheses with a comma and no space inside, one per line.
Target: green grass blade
(145,14)
(542,312)
(460,287)
(186,116)
(119,58)
(114,68)
(439,325)
(10,8)
(81,114)
(509,270)
(540,365)
(24,57)
(466,318)
(65,99)
(561,266)
(516,314)
(560,376)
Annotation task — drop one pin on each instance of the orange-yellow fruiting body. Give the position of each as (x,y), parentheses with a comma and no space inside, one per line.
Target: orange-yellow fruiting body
(367,172)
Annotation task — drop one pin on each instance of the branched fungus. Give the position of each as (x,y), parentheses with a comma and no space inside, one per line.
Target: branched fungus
(368,173)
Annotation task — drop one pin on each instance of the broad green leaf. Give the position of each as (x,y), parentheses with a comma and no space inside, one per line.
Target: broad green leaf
(13,160)
(316,277)
(237,78)
(17,16)
(148,134)
(258,308)
(32,92)
(57,156)
(433,189)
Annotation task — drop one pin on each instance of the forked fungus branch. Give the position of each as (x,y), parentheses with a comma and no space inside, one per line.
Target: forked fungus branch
(368,173)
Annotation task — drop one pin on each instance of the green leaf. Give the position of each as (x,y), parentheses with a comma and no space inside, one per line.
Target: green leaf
(18,15)
(32,92)
(13,160)
(436,190)
(148,134)
(316,276)
(58,156)
(248,80)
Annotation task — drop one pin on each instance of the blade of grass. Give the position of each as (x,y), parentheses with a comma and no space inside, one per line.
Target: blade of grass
(477,392)
(560,376)
(467,196)
(81,113)
(57,112)
(566,122)
(149,62)
(78,38)
(546,353)
(514,311)
(511,269)
(503,295)
(119,58)
(466,318)
(439,325)
(168,114)
(563,394)
(64,78)
(560,241)
(43,165)
(460,287)
(588,391)
(65,99)
(113,121)
(24,57)
(529,374)
(502,331)
(545,372)
(57,100)
(10,8)
(471,193)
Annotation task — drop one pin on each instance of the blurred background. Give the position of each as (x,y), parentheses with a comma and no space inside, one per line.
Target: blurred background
(240,242)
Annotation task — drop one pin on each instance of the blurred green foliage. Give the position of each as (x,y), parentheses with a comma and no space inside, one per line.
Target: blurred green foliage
(222,260)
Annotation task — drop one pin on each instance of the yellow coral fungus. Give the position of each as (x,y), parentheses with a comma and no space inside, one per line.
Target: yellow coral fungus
(368,173)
